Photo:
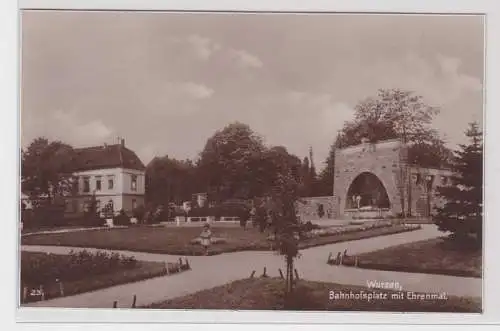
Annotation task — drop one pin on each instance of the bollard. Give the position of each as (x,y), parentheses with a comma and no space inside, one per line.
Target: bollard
(42,292)
(61,288)
(25,293)
(296,274)
(281,274)
(264,274)
(115,303)
(253,273)
(134,301)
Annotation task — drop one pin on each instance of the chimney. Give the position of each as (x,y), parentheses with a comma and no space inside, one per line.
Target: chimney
(122,142)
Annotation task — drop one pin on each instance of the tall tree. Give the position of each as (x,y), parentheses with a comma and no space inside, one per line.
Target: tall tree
(230,162)
(46,169)
(462,213)
(170,180)
(305,178)
(327,176)
(396,113)
(281,199)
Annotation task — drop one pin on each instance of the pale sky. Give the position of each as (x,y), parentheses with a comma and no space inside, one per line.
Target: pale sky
(166,82)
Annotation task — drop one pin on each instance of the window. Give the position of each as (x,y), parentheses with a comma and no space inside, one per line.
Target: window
(98,183)
(133,183)
(111,182)
(86,184)
(76,187)
(418,179)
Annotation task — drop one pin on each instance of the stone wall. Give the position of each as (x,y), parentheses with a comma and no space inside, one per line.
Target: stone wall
(307,208)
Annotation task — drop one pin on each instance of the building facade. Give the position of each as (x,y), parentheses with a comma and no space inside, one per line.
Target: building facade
(113,174)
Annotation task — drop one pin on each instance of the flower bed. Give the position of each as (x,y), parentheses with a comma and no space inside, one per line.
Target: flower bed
(213,241)
(335,230)
(46,276)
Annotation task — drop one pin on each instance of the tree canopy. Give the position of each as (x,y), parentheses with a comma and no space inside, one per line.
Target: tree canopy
(170,180)
(462,212)
(46,169)
(397,114)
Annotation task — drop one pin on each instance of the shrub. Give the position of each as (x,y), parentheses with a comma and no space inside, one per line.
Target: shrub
(158,214)
(309,226)
(44,214)
(139,213)
(321,210)
(121,219)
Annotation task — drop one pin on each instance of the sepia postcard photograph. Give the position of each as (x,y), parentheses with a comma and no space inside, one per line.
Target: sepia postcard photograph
(251,161)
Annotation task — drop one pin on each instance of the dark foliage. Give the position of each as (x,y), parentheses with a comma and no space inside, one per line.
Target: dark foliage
(121,219)
(462,213)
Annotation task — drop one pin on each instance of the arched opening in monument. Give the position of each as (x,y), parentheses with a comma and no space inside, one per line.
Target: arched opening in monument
(367,192)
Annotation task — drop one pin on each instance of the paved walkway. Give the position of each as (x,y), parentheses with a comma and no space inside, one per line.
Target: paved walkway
(208,272)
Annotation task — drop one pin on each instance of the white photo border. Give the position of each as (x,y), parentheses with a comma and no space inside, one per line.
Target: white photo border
(491,287)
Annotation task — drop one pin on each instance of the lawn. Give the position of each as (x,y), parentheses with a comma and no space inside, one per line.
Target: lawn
(79,275)
(434,256)
(267,294)
(176,240)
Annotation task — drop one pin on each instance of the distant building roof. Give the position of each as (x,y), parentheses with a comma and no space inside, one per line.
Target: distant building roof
(105,157)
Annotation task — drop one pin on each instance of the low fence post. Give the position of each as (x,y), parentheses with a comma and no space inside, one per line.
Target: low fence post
(25,293)
(42,292)
(61,288)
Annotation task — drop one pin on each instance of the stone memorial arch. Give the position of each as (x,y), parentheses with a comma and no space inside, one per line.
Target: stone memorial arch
(374,180)
(369,180)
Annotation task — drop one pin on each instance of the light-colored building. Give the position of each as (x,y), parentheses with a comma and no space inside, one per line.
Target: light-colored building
(114,173)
